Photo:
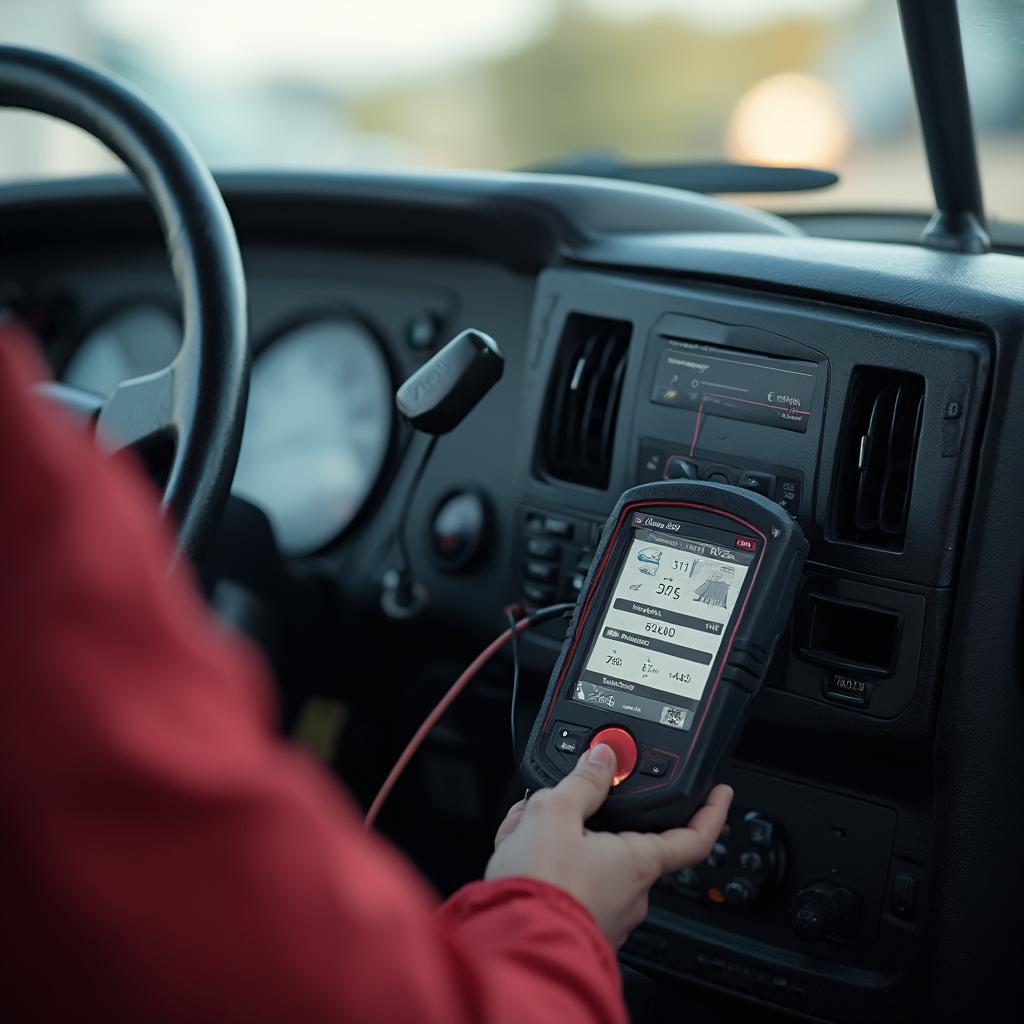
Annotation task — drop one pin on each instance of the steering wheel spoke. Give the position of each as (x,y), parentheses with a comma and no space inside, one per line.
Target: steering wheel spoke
(83,404)
(141,409)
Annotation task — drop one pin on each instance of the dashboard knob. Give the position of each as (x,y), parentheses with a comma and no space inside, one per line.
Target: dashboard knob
(823,910)
(681,469)
(739,892)
(459,529)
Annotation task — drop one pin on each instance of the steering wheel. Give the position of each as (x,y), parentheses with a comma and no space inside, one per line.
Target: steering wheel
(197,402)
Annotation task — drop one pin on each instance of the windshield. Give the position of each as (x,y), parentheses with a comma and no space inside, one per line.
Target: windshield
(347,84)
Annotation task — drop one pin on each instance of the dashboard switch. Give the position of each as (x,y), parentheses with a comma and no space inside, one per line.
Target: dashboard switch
(762,483)
(557,527)
(903,901)
(541,547)
(680,469)
(459,530)
(542,572)
(422,331)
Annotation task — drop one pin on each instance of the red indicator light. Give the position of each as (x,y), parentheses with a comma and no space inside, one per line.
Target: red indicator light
(746,543)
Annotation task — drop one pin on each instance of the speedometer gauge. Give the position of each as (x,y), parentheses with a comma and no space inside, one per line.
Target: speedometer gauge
(316,431)
(139,338)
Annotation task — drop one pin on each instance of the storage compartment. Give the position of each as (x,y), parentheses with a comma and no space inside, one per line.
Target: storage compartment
(848,635)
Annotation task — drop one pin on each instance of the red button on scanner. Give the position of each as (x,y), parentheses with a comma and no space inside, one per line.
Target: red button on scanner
(625,751)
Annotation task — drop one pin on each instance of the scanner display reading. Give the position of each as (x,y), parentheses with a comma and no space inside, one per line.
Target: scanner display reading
(666,620)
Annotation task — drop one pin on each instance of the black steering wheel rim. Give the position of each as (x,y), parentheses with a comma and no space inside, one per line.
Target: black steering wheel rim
(200,398)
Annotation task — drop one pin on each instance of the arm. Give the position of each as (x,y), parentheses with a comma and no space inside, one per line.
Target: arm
(172,858)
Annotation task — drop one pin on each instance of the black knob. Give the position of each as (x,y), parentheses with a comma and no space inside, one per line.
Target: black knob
(685,880)
(739,892)
(459,529)
(717,857)
(824,910)
(681,469)
(811,921)
(752,861)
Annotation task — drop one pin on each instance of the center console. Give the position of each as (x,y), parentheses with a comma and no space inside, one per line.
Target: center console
(863,427)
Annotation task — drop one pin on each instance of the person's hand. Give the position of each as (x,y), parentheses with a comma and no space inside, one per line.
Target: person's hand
(609,873)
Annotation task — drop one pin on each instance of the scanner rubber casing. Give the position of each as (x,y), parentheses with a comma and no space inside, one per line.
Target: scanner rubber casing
(737,674)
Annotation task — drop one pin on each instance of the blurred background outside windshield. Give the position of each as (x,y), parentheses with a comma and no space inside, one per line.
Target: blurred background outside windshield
(398,84)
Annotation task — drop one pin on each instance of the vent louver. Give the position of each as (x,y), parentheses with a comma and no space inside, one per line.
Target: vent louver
(583,400)
(875,459)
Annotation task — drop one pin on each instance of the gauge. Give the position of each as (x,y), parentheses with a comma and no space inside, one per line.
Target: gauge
(316,431)
(137,339)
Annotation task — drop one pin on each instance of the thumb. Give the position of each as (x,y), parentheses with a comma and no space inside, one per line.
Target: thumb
(587,785)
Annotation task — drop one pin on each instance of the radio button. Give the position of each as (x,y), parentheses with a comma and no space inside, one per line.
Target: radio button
(540,547)
(624,745)
(540,571)
(556,527)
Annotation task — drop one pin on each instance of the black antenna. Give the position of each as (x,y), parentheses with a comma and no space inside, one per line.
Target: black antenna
(931,32)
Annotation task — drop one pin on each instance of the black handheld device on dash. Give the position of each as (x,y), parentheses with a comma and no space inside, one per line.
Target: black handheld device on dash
(669,643)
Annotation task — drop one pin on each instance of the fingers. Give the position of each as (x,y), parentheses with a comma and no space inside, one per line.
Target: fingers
(511,822)
(584,789)
(683,847)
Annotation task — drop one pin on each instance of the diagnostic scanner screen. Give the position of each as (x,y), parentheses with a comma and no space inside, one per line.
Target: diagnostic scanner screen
(666,620)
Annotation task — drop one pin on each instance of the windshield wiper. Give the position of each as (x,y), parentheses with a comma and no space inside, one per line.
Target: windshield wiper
(693,177)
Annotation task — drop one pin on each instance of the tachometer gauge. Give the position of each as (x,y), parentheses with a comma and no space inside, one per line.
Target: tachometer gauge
(137,339)
(316,431)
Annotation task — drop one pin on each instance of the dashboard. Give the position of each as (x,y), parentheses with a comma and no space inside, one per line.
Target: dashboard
(873,391)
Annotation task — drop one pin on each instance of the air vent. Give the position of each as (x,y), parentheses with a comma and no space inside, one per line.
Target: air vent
(875,460)
(583,400)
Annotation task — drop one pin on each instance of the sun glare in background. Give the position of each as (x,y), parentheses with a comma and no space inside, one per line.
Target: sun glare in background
(790,119)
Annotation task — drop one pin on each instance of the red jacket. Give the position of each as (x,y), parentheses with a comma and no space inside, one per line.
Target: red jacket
(165,856)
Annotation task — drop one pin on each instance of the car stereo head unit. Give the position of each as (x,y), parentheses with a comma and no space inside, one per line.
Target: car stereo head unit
(669,643)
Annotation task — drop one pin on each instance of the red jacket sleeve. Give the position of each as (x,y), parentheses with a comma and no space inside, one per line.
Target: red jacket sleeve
(166,857)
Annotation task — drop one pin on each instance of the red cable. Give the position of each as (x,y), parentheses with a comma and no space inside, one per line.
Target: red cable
(432,719)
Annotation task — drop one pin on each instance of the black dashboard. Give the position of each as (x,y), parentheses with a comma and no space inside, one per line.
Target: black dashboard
(874,391)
